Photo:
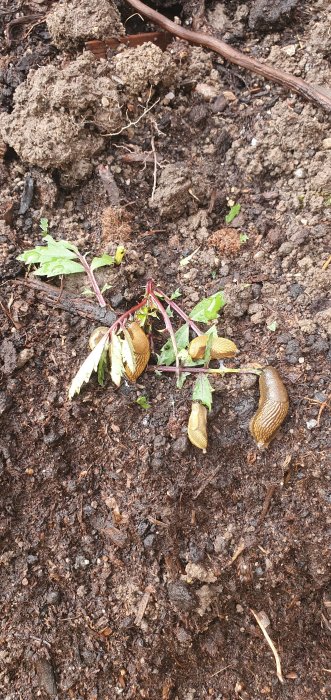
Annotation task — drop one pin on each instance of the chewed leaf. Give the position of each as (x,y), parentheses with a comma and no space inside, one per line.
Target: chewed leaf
(207,309)
(116,359)
(102,262)
(128,352)
(56,267)
(89,365)
(202,391)
(167,355)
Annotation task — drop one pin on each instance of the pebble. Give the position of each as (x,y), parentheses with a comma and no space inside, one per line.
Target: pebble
(180,445)
(326,143)
(311,424)
(208,92)
(180,596)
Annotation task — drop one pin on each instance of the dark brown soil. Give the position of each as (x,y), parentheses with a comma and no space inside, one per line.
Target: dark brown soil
(131,562)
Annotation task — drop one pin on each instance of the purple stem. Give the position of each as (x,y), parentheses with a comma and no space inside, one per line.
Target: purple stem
(181,313)
(92,280)
(123,317)
(168,326)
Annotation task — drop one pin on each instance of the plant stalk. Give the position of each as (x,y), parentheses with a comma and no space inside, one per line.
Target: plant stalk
(180,312)
(92,280)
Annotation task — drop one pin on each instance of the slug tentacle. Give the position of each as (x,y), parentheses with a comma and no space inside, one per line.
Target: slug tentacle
(273,407)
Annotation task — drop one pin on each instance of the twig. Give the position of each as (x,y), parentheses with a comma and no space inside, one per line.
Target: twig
(270,492)
(319,95)
(207,482)
(220,671)
(68,302)
(143,604)
(271,645)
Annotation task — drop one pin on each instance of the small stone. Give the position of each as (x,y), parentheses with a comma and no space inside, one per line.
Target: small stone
(311,424)
(198,115)
(25,582)
(149,541)
(219,104)
(326,143)
(208,92)
(53,597)
(24,357)
(299,173)
(229,96)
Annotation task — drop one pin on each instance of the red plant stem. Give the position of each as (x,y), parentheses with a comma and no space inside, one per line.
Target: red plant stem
(179,311)
(205,370)
(168,326)
(92,280)
(123,317)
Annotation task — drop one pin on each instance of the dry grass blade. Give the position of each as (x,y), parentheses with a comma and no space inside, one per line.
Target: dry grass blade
(271,645)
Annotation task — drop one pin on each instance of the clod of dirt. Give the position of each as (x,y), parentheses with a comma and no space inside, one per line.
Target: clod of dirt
(48,125)
(174,190)
(263,14)
(180,596)
(46,677)
(73,21)
(142,67)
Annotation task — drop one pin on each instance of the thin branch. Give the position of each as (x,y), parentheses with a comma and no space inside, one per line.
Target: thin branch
(271,645)
(319,95)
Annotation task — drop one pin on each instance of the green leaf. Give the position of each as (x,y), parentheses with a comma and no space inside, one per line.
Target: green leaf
(116,359)
(234,211)
(169,312)
(105,288)
(89,365)
(207,309)
(142,401)
(144,313)
(167,355)
(44,225)
(182,379)
(119,255)
(102,262)
(177,293)
(56,267)
(102,366)
(87,292)
(203,391)
(243,237)
(185,261)
(272,326)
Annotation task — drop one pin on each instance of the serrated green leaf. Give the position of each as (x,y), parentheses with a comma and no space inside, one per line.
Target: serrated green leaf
(203,391)
(56,267)
(128,353)
(207,309)
(167,355)
(119,255)
(169,312)
(243,238)
(102,262)
(102,366)
(234,211)
(182,379)
(177,293)
(87,293)
(116,359)
(89,365)
(44,225)
(142,401)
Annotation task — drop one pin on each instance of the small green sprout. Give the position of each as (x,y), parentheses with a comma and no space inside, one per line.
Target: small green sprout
(142,401)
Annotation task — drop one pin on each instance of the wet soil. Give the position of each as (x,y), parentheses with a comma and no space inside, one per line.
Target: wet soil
(130,561)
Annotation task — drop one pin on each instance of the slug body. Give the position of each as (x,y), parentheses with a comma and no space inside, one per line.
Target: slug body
(141,350)
(197,426)
(273,407)
(221,348)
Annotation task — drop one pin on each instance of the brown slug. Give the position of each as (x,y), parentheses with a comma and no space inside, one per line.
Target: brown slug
(141,350)
(197,426)
(221,348)
(96,336)
(273,407)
